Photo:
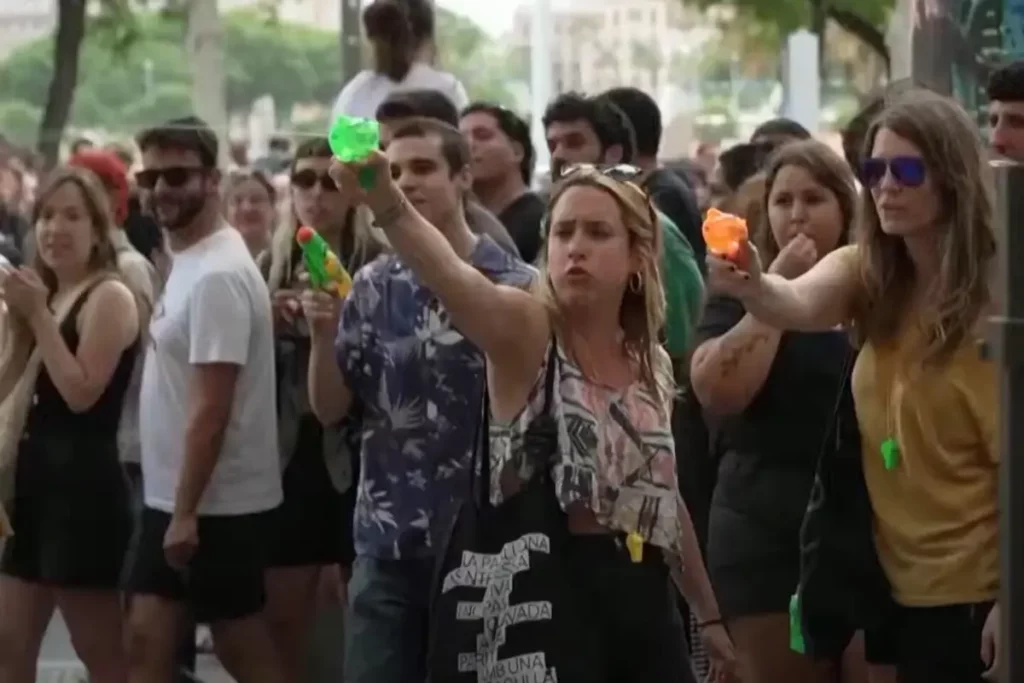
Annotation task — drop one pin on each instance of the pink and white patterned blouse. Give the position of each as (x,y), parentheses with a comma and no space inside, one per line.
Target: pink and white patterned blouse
(616,454)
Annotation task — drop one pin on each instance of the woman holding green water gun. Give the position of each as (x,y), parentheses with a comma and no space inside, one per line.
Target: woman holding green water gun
(613,387)
(313,541)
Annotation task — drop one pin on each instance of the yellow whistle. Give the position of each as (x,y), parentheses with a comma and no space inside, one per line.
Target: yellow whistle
(635,546)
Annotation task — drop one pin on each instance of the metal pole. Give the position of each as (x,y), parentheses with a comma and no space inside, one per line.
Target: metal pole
(1008,337)
(541,29)
(351,39)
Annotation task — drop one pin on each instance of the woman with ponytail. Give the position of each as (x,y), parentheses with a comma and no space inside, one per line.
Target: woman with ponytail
(401,33)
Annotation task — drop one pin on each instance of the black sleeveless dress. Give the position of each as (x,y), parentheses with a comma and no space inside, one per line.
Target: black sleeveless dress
(72,517)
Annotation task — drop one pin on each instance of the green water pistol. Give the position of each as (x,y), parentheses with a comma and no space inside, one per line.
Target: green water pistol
(324,268)
(353,139)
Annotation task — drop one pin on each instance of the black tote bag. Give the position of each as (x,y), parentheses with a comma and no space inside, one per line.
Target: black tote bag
(502,608)
(842,587)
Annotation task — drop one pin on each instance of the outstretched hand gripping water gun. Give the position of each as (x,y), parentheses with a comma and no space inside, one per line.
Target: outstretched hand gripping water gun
(724,233)
(324,268)
(353,139)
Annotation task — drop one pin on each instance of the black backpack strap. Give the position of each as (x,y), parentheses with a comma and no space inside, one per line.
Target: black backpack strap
(481,461)
(833,423)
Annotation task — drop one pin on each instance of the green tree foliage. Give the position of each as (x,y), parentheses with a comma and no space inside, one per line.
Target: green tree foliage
(19,121)
(483,67)
(136,72)
(149,79)
(866,19)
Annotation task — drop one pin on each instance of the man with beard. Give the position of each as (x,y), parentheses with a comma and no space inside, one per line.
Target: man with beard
(208,426)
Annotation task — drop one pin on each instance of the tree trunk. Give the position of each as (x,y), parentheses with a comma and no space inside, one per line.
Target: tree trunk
(61,94)
(351,41)
(819,18)
(864,30)
(206,54)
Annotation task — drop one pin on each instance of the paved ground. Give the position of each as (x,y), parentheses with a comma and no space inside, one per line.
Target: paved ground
(58,664)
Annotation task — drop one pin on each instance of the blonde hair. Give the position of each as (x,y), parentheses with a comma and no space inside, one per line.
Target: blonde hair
(361,240)
(641,313)
(957,165)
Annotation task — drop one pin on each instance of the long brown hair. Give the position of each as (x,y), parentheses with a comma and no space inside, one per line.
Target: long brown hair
(97,203)
(826,168)
(642,311)
(956,162)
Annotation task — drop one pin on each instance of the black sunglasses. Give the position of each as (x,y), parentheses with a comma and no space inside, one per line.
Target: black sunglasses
(174,176)
(306,179)
(907,171)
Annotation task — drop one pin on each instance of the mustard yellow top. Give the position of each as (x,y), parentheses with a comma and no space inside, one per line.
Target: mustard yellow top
(936,514)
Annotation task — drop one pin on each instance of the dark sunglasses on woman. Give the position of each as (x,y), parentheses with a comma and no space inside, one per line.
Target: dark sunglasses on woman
(305,180)
(906,171)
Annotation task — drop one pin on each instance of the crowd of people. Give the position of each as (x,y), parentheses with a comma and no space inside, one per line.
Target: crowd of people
(802,435)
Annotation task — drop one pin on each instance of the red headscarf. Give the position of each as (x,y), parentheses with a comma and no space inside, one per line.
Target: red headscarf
(112,172)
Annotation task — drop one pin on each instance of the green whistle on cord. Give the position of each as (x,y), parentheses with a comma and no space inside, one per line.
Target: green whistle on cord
(890,453)
(353,139)
(796,631)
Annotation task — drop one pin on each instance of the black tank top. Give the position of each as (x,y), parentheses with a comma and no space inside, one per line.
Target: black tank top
(67,446)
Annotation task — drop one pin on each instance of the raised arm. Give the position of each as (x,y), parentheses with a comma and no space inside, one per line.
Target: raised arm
(732,363)
(819,300)
(508,324)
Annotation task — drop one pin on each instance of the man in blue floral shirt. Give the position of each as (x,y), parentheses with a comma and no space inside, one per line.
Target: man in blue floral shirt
(421,383)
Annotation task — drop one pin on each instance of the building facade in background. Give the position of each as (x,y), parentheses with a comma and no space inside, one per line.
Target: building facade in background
(22,21)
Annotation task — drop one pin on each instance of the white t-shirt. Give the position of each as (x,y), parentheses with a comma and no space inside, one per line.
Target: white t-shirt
(368,89)
(215,309)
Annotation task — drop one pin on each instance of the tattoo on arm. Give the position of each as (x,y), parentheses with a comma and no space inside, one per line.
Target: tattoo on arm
(732,355)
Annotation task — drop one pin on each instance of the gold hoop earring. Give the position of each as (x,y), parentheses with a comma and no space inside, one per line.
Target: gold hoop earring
(636,282)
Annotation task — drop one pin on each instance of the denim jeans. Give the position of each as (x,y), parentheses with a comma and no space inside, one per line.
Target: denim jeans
(386,623)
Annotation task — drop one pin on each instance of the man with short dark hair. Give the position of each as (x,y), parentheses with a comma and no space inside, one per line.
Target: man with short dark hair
(1006,110)
(587,130)
(502,164)
(779,131)
(410,104)
(418,380)
(404,105)
(208,426)
(667,189)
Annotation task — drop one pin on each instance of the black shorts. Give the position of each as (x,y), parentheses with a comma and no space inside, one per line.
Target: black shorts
(224,581)
(313,525)
(932,644)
